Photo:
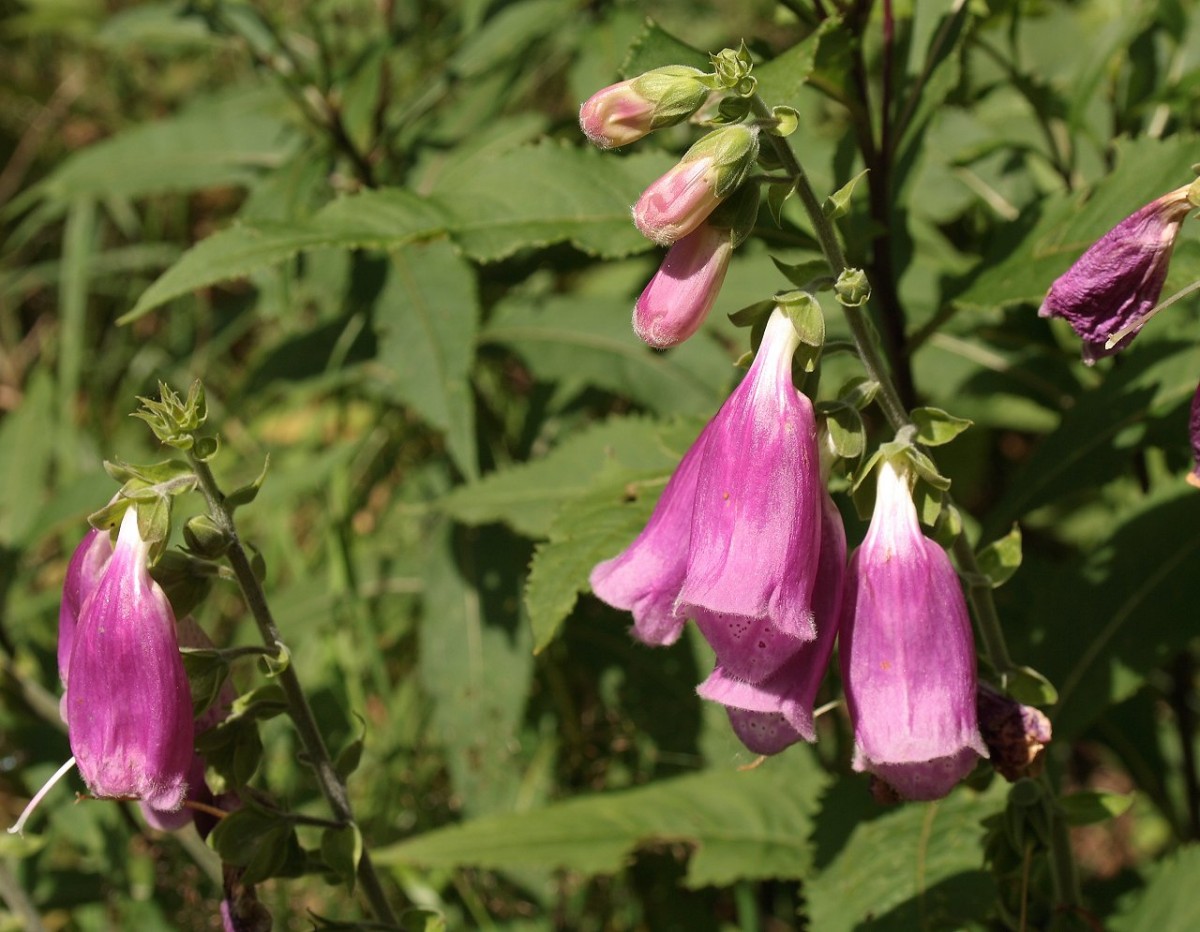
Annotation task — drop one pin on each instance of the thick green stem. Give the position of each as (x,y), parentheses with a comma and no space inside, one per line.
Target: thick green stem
(332,785)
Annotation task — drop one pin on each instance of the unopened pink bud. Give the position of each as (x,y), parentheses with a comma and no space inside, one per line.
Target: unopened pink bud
(682,291)
(616,116)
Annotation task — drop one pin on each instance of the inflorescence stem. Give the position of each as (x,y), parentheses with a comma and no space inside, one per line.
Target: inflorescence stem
(979,590)
(332,785)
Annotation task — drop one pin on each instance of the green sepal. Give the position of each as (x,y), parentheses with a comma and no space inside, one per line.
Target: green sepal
(812,275)
(787,121)
(777,195)
(185,580)
(752,314)
(1090,808)
(731,110)
(858,392)
(844,426)
(204,538)
(838,203)
(1030,687)
(232,752)
(341,850)
(804,311)
(207,671)
(272,665)
(1001,558)
(738,213)
(935,427)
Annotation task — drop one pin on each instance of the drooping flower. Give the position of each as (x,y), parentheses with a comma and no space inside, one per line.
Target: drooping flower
(129,709)
(625,112)
(734,540)
(712,169)
(83,573)
(1107,295)
(778,712)
(679,296)
(907,654)
(756,523)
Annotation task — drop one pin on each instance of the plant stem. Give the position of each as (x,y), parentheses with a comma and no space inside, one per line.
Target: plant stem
(332,785)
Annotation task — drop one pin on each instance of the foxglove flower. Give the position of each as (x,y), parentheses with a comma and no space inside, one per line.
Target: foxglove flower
(778,712)
(623,113)
(712,169)
(680,295)
(83,573)
(907,655)
(1107,295)
(129,709)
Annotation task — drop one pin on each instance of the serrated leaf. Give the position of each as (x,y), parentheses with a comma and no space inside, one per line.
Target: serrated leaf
(935,427)
(585,339)
(547,193)
(380,219)
(781,80)
(427,315)
(654,47)
(1001,558)
(743,825)
(890,874)
(1089,808)
(528,496)
(586,531)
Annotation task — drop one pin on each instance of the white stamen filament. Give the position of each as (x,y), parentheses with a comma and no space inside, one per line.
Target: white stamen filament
(37,798)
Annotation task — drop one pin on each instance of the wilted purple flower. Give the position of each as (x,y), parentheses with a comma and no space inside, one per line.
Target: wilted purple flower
(1194,430)
(733,542)
(907,655)
(129,709)
(83,573)
(680,200)
(682,291)
(625,112)
(1016,735)
(778,712)
(1108,293)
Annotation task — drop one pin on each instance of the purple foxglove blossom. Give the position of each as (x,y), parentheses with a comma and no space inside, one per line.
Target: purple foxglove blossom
(83,573)
(1194,429)
(625,112)
(645,578)
(679,201)
(129,709)
(682,292)
(907,654)
(1016,735)
(778,712)
(1110,290)
(756,521)
(190,634)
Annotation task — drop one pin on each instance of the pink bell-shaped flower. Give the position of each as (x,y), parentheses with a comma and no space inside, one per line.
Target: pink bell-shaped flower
(907,654)
(83,573)
(129,709)
(682,292)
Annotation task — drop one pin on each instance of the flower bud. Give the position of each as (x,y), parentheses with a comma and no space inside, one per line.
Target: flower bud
(129,709)
(1016,735)
(1108,294)
(623,113)
(683,290)
(679,201)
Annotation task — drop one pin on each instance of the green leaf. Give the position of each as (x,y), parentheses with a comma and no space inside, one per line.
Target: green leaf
(586,339)
(1088,808)
(259,841)
(548,193)
(341,850)
(1001,558)
(528,496)
(427,315)
(381,219)
(245,494)
(586,531)
(655,48)
(742,824)
(1168,901)
(26,451)
(899,871)
(476,662)
(781,80)
(1024,261)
